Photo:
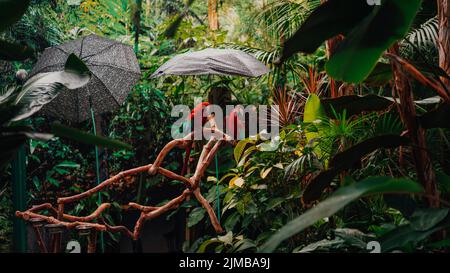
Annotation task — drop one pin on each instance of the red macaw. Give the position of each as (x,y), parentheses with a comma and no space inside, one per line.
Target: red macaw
(235,125)
(198,110)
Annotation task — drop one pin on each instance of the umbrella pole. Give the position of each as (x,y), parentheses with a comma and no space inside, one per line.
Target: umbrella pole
(97,171)
(217,188)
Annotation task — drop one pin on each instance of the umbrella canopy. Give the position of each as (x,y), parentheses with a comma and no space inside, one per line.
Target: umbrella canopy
(227,62)
(115,70)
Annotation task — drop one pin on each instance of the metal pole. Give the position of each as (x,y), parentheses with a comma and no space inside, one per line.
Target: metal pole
(217,188)
(97,171)
(19,196)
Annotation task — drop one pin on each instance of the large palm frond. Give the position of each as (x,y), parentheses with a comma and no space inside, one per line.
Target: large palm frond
(425,35)
(265,56)
(283,18)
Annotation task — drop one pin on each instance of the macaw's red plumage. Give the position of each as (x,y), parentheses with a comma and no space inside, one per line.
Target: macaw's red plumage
(235,124)
(198,110)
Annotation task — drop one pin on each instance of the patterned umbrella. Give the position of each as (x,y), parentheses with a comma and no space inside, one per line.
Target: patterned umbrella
(213,61)
(115,70)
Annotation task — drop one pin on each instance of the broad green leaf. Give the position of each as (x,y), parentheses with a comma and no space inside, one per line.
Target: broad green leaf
(196,216)
(239,149)
(243,245)
(231,221)
(443,181)
(83,137)
(406,234)
(358,54)
(354,104)
(381,75)
(313,113)
(322,245)
(275,202)
(202,248)
(425,219)
(44,87)
(11,138)
(437,118)
(11,11)
(346,160)
(338,200)
(313,109)
(328,20)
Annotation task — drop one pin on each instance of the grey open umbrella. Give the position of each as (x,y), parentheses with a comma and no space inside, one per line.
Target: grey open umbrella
(213,61)
(115,70)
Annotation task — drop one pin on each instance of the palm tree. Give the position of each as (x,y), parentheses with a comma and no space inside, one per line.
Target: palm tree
(213,15)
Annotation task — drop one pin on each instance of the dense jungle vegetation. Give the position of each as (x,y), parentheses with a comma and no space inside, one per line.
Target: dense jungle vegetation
(363,96)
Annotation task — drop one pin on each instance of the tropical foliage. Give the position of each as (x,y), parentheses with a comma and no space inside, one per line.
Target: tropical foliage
(363,102)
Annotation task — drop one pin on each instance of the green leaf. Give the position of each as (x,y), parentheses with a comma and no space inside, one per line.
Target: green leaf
(231,221)
(381,75)
(14,52)
(11,138)
(352,155)
(244,245)
(203,247)
(314,112)
(346,160)
(239,149)
(83,137)
(437,118)
(425,219)
(328,20)
(11,11)
(196,216)
(354,105)
(443,181)
(53,181)
(341,198)
(68,164)
(275,202)
(358,54)
(406,234)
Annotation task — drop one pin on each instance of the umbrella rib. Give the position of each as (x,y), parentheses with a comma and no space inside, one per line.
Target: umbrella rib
(104,85)
(59,48)
(82,45)
(87,57)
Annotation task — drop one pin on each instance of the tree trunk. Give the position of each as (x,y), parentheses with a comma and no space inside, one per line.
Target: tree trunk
(422,161)
(213,16)
(136,17)
(444,37)
(147,8)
